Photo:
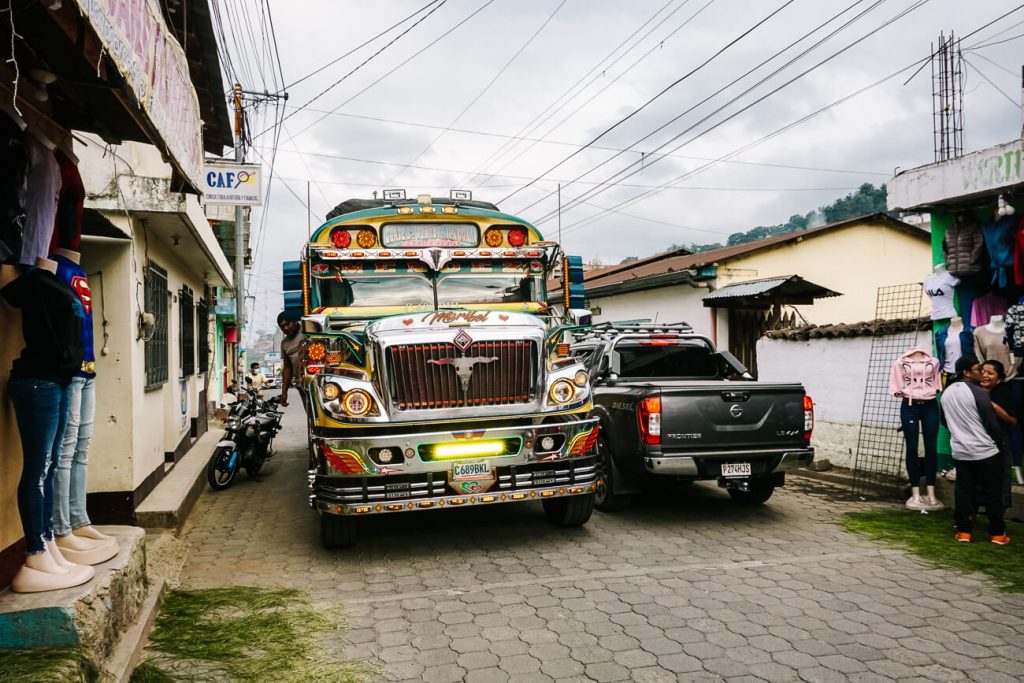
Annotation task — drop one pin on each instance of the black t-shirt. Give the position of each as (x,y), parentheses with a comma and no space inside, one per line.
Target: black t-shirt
(51,323)
(1006,397)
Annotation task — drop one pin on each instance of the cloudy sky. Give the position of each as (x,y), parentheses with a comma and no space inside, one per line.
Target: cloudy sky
(495,97)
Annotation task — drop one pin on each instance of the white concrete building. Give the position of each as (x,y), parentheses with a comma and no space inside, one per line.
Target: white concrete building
(152,258)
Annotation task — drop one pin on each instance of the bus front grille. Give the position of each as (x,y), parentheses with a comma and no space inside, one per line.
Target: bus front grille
(488,373)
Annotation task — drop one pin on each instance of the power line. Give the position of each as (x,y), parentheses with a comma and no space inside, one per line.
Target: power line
(359,47)
(981,73)
(610,83)
(538,120)
(487,87)
(736,98)
(416,54)
(362,63)
(663,91)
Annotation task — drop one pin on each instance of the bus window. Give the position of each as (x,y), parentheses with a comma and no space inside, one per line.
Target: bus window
(489,288)
(375,290)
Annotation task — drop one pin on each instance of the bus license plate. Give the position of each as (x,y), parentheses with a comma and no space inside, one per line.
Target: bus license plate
(735,469)
(471,470)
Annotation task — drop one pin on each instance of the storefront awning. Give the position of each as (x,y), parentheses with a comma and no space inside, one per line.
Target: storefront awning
(787,290)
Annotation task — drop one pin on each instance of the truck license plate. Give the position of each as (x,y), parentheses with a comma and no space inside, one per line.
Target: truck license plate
(735,469)
(471,470)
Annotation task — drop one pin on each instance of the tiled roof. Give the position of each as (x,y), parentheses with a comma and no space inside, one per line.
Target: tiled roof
(869,328)
(673,262)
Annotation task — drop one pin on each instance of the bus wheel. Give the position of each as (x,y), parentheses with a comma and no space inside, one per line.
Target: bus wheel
(337,531)
(569,511)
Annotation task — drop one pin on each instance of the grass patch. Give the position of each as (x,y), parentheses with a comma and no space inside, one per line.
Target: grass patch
(46,666)
(244,634)
(931,538)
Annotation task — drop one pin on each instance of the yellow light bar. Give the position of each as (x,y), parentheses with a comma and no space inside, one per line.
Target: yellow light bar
(361,510)
(462,450)
(426,209)
(518,496)
(457,501)
(546,494)
(449,209)
(405,209)
(426,503)
(395,506)
(488,499)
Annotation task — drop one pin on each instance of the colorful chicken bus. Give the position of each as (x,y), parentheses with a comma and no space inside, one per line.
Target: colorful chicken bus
(434,374)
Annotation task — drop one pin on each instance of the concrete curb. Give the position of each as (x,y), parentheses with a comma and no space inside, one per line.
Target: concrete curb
(128,651)
(169,504)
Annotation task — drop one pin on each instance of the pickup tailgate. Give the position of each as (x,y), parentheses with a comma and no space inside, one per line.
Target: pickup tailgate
(744,416)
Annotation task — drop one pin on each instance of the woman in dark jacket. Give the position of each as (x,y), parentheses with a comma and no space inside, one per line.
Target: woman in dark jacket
(1007,405)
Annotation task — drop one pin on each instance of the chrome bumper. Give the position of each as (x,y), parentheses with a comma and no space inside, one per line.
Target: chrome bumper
(347,479)
(710,462)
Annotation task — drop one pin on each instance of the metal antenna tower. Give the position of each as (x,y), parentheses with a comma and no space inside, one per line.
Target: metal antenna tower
(947,98)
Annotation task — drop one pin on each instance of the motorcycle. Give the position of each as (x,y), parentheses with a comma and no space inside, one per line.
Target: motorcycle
(248,439)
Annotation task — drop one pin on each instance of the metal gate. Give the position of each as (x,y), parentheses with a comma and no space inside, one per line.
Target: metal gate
(880,446)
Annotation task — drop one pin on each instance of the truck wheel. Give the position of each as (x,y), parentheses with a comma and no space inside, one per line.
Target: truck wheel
(604,499)
(569,511)
(336,531)
(758,493)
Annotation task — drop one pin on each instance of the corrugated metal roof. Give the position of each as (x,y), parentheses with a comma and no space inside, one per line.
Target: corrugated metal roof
(752,288)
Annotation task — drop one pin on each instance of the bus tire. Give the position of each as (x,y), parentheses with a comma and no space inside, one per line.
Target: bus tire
(337,531)
(569,511)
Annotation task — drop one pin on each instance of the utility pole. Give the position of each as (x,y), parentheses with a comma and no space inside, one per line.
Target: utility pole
(239,229)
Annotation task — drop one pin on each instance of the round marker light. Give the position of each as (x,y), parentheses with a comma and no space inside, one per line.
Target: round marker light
(385,455)
(561,391)
(341,238)
(316,352)
(581,378)
(517,237)
(547,443)
(331,391)
(409,454)
(366,239)
(356,402)
(493,238)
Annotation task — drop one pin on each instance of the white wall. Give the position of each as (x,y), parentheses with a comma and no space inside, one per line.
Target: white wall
(834,373)
(665,304)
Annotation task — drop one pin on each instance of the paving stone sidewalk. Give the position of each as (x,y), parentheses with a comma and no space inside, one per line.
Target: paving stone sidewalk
(687,586)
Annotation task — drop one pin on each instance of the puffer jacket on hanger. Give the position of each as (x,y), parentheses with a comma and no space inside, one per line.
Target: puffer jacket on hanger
(963,246)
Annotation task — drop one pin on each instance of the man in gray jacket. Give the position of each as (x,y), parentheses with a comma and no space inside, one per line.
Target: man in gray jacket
(978,445)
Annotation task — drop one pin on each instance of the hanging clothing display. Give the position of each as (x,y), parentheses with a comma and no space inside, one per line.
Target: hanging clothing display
(962,247)
(1014,330)
(987,306)
(76,280)
(921,418)
(990,345)
(950,347)
(13,172)
(939,287)
(67,231)
(915,376)
(43,186)
(999,241)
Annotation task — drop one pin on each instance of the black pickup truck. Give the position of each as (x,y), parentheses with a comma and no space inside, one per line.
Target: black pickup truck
(673,407)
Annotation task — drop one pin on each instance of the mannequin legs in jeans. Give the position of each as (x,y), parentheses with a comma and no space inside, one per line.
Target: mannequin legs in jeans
(40,407)
(917,417)
(70,480)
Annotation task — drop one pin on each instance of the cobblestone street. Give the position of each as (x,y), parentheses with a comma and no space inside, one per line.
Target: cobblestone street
(690,588)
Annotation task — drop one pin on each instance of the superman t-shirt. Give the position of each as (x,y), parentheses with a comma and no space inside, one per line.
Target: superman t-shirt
(76,279)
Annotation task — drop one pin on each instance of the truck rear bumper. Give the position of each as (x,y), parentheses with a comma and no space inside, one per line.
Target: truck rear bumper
(708,465)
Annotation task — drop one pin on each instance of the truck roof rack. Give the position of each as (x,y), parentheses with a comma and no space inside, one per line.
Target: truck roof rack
(610,330)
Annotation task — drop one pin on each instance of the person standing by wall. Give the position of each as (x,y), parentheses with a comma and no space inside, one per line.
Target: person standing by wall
(979,448)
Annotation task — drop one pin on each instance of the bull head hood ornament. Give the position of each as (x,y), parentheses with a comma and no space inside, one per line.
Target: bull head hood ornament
(463,367)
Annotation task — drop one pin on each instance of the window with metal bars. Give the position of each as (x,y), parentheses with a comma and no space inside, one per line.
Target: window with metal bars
(203,334)
(155,286)
(187,315)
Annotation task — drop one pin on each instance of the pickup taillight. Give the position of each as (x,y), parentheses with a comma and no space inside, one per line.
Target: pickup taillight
(648,412)
(808,417)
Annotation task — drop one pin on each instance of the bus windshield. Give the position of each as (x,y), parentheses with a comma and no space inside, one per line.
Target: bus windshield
(391,286)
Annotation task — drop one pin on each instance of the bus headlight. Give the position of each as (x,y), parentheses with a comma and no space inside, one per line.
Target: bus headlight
(331,391)
(357,403)
(561,391)
(581,378)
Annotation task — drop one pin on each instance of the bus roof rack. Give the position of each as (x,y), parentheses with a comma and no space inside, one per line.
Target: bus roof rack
(359,204)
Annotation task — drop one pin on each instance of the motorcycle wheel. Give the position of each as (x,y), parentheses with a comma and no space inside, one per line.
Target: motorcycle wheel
(219,471)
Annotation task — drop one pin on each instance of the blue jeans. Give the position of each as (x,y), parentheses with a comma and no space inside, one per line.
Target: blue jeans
(41,409)
(914,417)
(72,468)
